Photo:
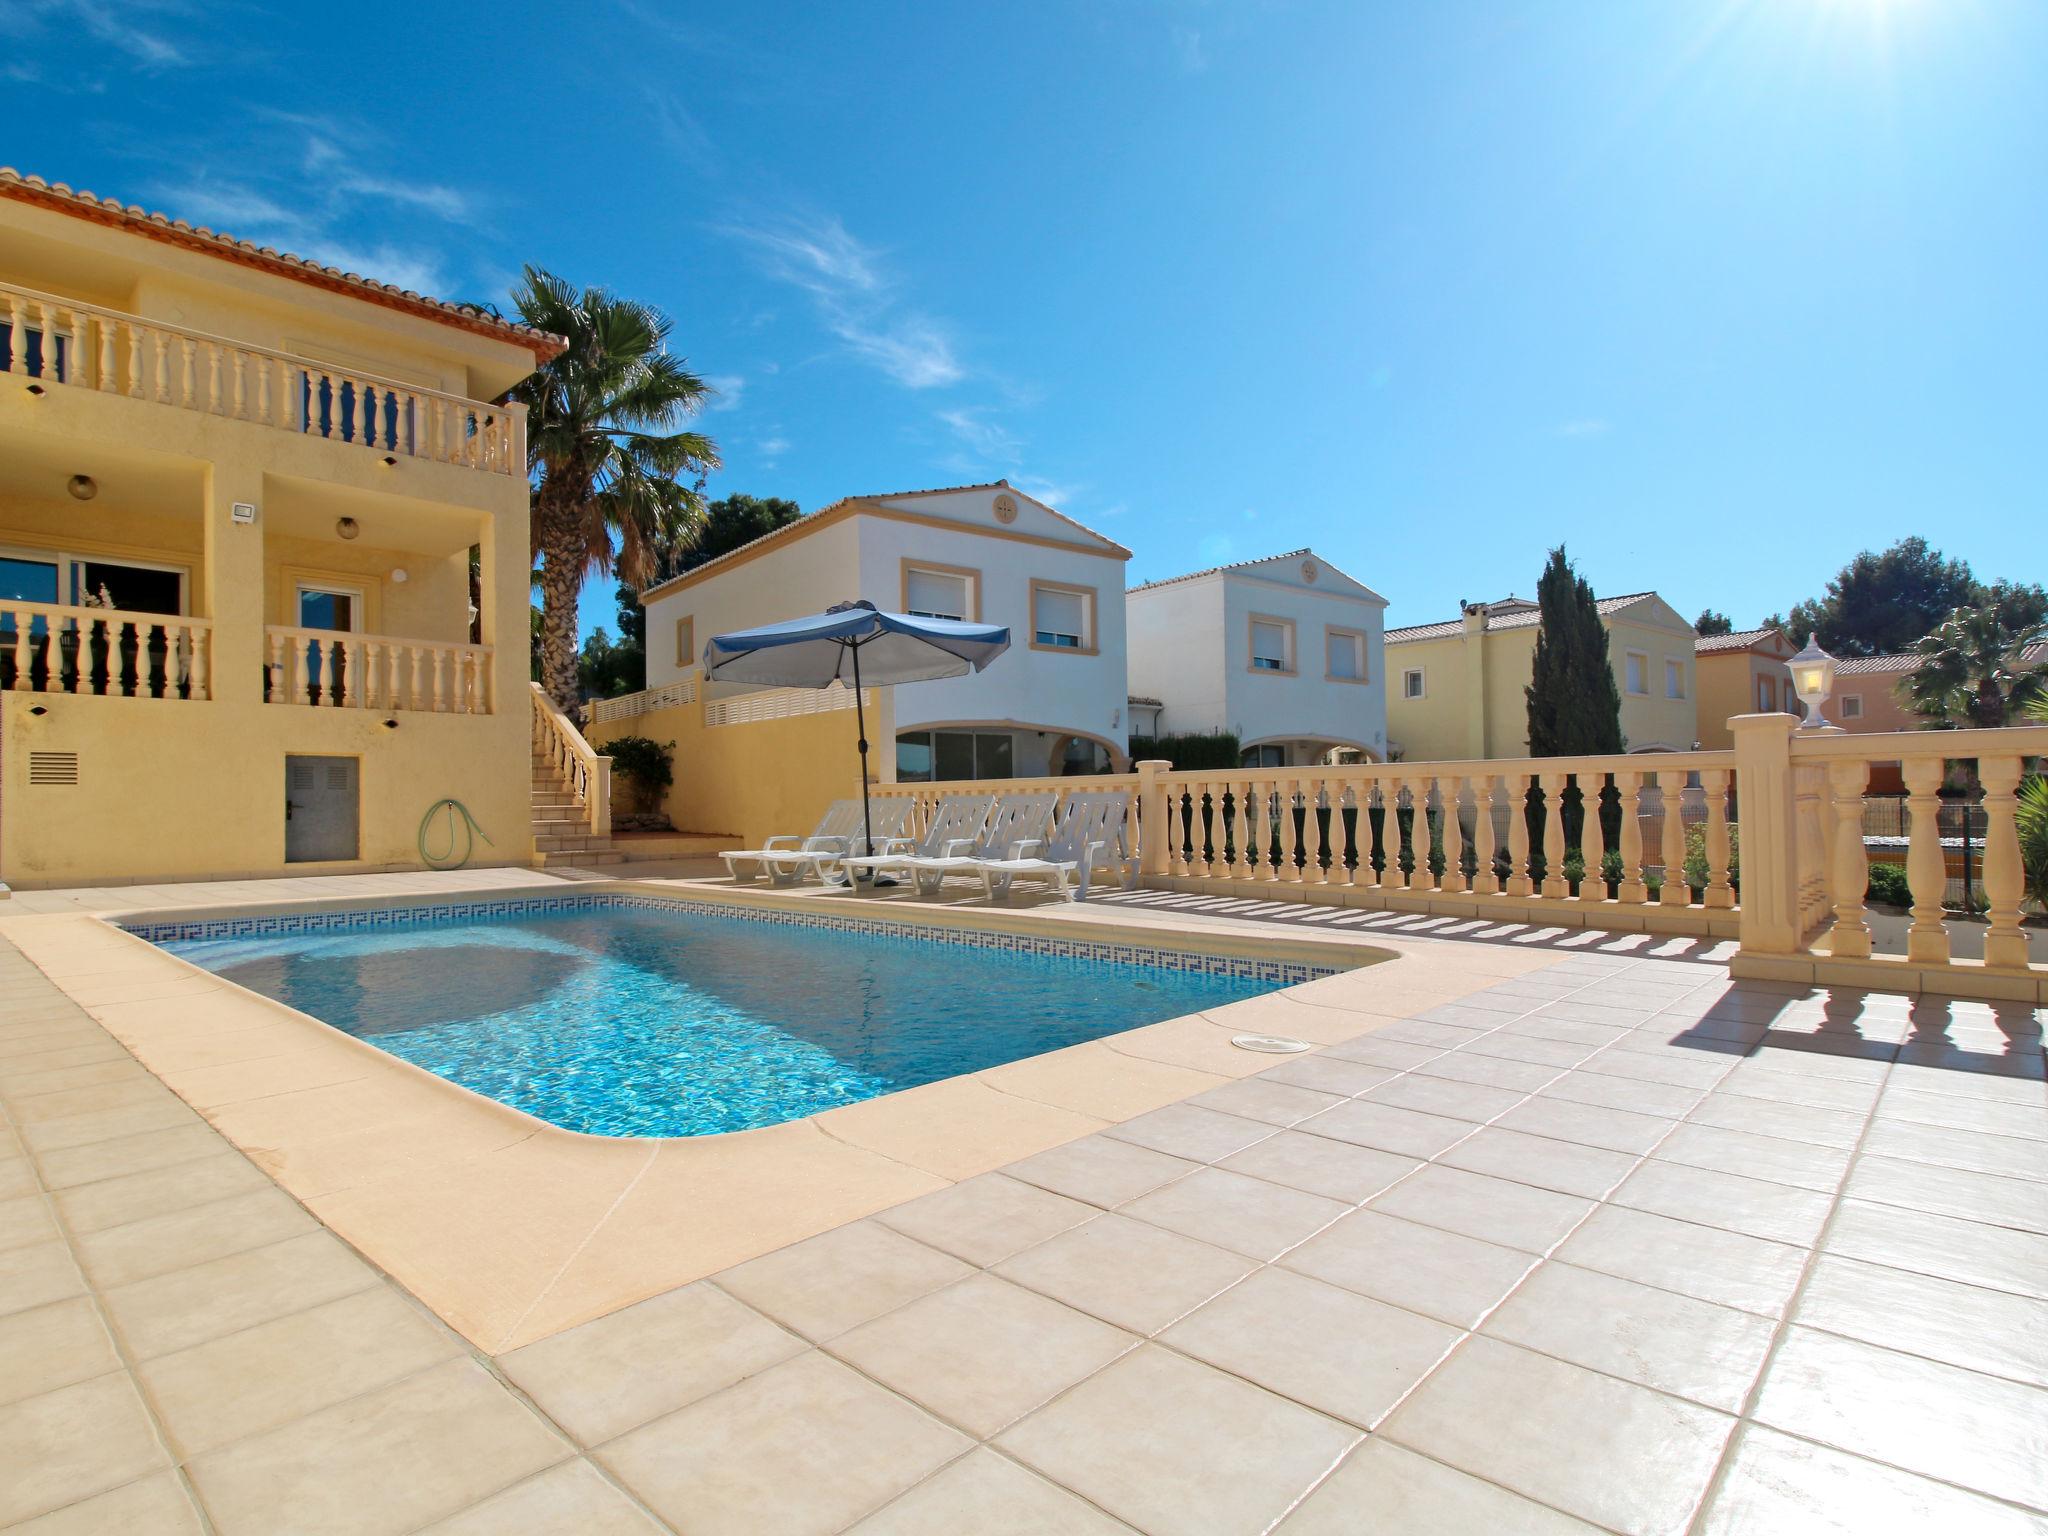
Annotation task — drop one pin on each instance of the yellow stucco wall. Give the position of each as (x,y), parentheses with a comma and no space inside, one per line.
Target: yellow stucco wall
(761,779)
(192,788)
(1466,716)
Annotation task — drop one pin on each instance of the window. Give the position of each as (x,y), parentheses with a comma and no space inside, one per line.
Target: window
(686,641)
(1674,678)
(925,756)
(1766,695)
(1638,672)
(1852,706)
(1263,757)
(1344,655)
(1272,644)
(1062,618)
(1411,683)
(941,591)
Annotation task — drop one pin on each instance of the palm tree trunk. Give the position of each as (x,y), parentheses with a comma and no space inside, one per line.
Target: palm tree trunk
(561,577)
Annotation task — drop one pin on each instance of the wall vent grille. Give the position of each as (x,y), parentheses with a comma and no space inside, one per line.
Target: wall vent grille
(53,767)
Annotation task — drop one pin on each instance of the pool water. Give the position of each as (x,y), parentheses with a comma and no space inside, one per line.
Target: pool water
(651,1021)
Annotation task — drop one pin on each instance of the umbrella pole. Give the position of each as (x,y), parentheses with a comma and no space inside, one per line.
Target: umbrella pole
(867,824)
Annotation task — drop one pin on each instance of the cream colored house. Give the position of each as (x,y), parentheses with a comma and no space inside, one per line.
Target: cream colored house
(1741,674)
(1455,689)
(239,494)
(1055,703)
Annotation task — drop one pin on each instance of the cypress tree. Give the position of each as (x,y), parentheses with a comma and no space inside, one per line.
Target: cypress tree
(1574,706)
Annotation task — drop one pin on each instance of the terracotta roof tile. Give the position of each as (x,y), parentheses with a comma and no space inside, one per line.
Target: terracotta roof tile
(111,211)
(1526,618)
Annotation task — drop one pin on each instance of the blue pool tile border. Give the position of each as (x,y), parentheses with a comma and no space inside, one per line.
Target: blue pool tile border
(1285,973)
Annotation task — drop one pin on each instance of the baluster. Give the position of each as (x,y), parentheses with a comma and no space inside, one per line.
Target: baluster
(366,667)
(187,387)
(438,432)
(2005,945)
(262,389)
(1198,860)
(1484,881)
(1926,863)
(1554,886)
(274,690)
(1452,791)
(330,409)
(17,335)
(201,679)
(1816,846)
(1285,792)
(1720,890)
(438,658)
(1414,842)
(1257,834)
(418,689)
(107,379)
(394,657)
(1344,832)
(1671,791)
(14,625)
(1634,889)
(1851,936)
(212,377)
(1520,882)
(240,385)
(160,348)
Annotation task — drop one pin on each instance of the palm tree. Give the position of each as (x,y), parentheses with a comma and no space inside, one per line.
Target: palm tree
(603,453)
(1973,668)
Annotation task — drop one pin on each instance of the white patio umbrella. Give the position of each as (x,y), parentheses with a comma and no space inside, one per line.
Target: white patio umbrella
(856,643)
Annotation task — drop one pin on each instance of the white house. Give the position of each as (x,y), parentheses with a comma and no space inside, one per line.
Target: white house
(1053,703)
(1284,652)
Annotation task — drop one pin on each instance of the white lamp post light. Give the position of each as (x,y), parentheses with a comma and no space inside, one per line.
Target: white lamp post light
(1813,679)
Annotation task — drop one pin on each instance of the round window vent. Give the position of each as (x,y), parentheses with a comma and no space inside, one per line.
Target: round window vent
(1309,571)
(1006,508)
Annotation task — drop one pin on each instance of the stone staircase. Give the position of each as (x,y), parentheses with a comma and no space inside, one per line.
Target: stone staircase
(561,826)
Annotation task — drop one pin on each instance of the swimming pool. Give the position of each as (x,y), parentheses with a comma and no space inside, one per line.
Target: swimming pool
(626,1017)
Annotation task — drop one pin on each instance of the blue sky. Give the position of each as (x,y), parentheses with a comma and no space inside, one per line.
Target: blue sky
(1716,291)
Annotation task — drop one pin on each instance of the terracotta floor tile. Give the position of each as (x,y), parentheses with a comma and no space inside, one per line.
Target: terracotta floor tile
(1321,1166)
(157,1505)
(1757,1207)
(1238,1212)
(1387,1128)
(1976,1253)
(1984,1330)
(1100,1170)
(69,1444)
(1262,1098)
(47,1347)
(573,1499)
(1389,1491)
(2021,1203)
(189,1306)
(1712,1264)
(1563,1166)
(839,1279)
(1479,1205)
(1184,1130)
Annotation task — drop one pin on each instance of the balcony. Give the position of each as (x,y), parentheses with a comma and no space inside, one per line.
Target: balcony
(51,648)
(335,669)
(61,343)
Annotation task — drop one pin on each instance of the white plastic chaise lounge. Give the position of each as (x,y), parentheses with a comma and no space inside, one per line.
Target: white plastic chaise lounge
(1016,827)
(956,827)
(1089,834)
(881,830)
(782,859)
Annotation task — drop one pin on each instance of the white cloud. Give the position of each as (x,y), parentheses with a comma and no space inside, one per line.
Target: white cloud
(1052,492)
(1585,426)
(855,298)
(730,389)
(989,439)
(117,25)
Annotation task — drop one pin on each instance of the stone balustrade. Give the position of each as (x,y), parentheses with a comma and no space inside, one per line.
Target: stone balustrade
(335,669)
(66,344)
(586,771)
(53,648)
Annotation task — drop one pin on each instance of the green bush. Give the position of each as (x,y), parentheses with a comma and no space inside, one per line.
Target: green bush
(2033,820)
(1888,886)
(645,766)
(1190,752)
(1696,870)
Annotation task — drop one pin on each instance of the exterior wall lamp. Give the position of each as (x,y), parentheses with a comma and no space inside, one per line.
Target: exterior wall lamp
(1813,679)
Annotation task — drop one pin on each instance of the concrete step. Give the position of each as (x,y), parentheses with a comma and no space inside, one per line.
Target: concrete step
(580,860)
(572,844)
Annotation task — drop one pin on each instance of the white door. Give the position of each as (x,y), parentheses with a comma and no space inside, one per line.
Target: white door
(322,803)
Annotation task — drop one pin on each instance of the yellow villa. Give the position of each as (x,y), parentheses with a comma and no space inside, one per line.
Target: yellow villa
(1740,674)
(240,497)
(1455,688)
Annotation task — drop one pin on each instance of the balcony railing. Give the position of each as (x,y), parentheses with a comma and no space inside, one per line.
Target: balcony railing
(50,648)
(334,669)
(57,341)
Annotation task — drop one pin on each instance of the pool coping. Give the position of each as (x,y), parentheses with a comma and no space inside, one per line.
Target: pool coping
(513,1230)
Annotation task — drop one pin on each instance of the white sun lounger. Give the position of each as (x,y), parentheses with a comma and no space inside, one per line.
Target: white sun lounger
(956,828)
(1089,834)
(783,859)
(1015,827)
(887,818)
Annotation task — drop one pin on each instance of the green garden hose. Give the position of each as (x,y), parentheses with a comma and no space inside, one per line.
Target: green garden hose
(467,827)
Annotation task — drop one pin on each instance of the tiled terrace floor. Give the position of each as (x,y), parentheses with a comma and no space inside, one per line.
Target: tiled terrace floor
(1614,1245)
